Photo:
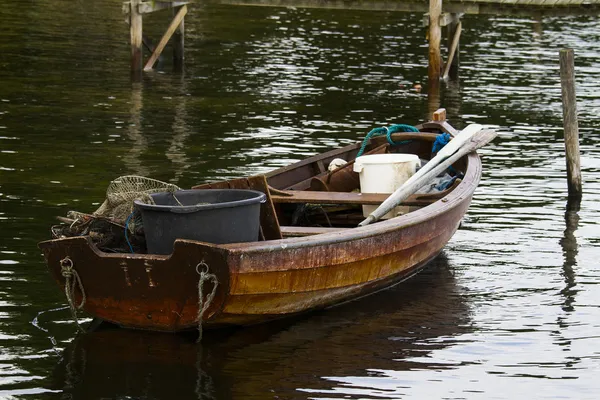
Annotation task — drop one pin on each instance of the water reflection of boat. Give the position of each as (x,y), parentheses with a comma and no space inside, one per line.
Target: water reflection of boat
(396,329)
(292,269)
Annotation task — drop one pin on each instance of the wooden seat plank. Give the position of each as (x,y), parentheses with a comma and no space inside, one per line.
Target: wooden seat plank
(313,197)
(297,231)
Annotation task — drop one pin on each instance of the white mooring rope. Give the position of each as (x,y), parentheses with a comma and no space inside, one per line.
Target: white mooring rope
(71,279)
(203,305)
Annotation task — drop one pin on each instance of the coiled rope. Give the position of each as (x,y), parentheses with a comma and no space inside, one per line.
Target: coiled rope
(440,141)
(72,280)
(205,276)
(388,133)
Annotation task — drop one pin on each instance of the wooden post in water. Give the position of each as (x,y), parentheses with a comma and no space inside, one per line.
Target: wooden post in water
(454,31)
(178,44)
(135,9)
(435,37)
(135,32)
(571,129)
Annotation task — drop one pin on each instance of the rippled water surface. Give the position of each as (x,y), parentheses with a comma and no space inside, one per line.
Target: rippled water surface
(511,309)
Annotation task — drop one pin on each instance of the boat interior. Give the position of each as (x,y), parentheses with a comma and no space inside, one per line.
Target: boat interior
(320,194)
(309,198)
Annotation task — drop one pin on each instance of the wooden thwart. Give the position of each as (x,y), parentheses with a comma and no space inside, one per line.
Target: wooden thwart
(299,231)
(314,197)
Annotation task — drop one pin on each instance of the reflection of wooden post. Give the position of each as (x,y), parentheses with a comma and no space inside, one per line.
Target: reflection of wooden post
(435,37)
(139,144)
(567,80)
(433,98)
(454,31)
(135,31)
(178,44)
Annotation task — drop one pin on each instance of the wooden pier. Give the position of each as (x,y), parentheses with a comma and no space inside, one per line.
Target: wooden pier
(437,14)
(135,10)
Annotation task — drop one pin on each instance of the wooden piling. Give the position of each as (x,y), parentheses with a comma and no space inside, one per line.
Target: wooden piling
(571,129)
(435,37)
(454,31)
(135,31)
(178,44)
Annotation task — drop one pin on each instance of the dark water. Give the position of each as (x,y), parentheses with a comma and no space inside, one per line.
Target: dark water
(510,310)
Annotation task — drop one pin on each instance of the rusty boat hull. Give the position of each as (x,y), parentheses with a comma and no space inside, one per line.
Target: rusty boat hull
(263,280)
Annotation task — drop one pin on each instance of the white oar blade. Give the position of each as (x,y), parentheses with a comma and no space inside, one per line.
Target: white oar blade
(475,138)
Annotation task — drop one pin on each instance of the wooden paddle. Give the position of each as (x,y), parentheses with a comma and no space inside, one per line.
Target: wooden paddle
(468,140)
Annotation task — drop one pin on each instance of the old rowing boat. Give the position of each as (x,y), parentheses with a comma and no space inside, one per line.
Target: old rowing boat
(295,267)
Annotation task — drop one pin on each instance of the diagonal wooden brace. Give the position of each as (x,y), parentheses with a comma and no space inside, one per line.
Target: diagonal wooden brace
(165,39)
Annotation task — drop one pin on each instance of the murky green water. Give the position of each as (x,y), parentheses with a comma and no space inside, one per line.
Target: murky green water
(511,309)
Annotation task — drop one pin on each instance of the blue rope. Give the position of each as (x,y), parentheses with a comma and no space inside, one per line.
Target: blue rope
(388,133)
(440,142)
(126,229)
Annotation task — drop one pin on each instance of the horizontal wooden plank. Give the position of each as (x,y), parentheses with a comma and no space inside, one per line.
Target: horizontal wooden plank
(495,7)
(298,231)
(149,7)
(315,197)
(445,19)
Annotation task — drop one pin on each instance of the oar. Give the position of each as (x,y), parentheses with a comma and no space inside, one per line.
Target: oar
(449,149)
(470,142)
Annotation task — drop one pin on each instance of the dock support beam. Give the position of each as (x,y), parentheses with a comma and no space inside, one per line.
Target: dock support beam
(135,32)
(435,37)
(135,9)
(567,80)
(435,57)
(178,44)
(454,31)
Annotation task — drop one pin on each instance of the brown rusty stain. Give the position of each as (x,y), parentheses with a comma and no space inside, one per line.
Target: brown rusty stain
(126,271)
(149,273)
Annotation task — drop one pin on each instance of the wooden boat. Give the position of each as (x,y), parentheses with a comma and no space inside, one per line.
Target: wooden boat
(292,268)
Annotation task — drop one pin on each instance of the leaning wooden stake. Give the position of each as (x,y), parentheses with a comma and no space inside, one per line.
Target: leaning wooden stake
(165,39)
(435,38)
(453,26)
(567,80)
(135,32)
(453,48)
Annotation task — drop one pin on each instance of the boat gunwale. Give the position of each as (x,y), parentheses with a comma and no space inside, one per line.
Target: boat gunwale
(462,192)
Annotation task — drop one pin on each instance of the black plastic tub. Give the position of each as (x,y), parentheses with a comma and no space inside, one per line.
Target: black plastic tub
(208,215)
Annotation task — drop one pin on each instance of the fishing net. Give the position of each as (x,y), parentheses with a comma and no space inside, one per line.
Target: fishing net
(116,226)
(121,193)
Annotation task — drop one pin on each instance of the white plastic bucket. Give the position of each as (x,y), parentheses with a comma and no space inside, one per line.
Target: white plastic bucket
(384,173)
